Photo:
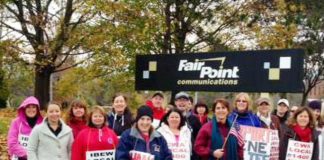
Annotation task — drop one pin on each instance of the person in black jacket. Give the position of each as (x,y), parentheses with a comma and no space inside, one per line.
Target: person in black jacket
(300,127)
(182,103)
(120,118)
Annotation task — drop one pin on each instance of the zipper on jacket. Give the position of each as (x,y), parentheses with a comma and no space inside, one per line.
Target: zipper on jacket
(100,134)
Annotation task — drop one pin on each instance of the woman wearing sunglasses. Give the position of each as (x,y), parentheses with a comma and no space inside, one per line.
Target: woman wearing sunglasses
(245,116)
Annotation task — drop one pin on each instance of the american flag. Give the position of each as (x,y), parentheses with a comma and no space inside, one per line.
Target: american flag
(235,131)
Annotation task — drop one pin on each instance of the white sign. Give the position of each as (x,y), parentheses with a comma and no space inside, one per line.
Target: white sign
(258,142)
(23,140)
(321,146)
(180,151)
(100,155)
(299,150)
(274,141)
(137,155)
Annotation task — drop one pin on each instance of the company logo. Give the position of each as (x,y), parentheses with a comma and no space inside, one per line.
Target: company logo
(274,73)
(208,71)
(152,68)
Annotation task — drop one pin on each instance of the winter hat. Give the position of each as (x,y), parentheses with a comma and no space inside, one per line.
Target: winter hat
(144,111)
(315,105)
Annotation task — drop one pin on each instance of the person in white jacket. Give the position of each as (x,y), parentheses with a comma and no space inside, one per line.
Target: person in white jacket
(52,139)
(177,134)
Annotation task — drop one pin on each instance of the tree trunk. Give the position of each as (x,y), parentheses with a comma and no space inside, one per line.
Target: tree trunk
(304,98)
(42,85)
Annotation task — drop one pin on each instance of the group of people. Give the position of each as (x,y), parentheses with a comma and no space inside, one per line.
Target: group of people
(181,131)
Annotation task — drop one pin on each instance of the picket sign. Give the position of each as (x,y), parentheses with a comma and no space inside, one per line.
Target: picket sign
(260,143)
(274,140)
(23,141)
(298,150)
(321,145)
(100,155)
(137,155)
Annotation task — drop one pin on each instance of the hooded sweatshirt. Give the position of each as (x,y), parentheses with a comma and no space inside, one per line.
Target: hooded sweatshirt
(20,129)
(93,139)
(120,123)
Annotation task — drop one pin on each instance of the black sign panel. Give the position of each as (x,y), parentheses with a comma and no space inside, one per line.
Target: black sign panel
(246,71)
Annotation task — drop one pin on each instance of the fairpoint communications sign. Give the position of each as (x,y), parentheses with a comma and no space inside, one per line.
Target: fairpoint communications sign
(248,71)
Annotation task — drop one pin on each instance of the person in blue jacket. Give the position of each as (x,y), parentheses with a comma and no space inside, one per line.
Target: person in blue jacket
(142,139)
(246,117)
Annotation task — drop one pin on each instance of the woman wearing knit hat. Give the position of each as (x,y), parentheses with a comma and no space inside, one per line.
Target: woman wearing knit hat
(316,106)
(142,139)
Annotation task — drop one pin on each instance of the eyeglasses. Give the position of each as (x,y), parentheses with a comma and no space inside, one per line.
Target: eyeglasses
(242,101)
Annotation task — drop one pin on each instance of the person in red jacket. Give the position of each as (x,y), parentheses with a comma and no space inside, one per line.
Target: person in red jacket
(156,104)
(201,112)
(97,141)
(77,116)
(212,136)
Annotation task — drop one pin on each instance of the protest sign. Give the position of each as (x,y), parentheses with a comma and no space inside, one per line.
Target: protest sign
(274,140)
(23,140)
(259,143)
(137,155)
(321,146)
(179,150)
(298,150)
(100,155)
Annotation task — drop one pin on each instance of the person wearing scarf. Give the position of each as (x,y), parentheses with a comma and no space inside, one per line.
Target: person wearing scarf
(201,112)
(212,135)
(242,111)
(300,127)
(267,120)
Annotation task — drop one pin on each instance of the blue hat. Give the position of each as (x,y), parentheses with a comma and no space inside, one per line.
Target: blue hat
(315,105)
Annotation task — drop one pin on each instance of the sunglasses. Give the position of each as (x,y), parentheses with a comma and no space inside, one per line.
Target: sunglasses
(242,101)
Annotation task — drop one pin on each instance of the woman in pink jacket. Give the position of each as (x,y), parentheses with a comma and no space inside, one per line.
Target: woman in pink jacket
(21,127)
(97,141)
